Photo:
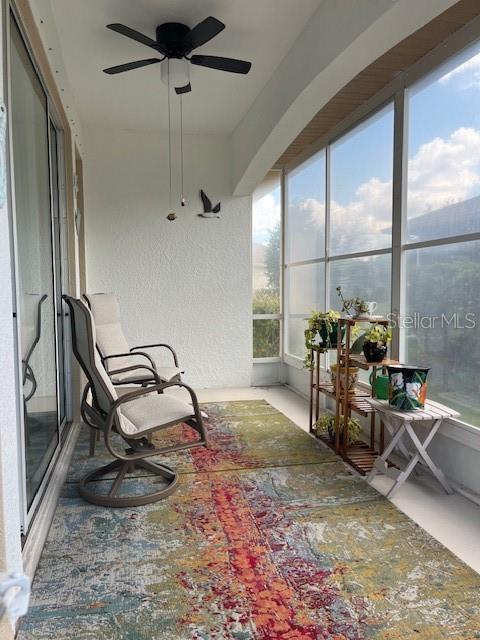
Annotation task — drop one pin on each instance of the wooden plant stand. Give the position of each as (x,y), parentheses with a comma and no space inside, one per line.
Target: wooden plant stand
(360,455)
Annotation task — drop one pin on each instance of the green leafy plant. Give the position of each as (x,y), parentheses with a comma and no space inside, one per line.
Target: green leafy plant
(349,304)
(325,426)
(266,333)
(320,322)
(379,334)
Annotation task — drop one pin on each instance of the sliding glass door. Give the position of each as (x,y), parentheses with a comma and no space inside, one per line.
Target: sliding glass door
(38,271)
(58,262)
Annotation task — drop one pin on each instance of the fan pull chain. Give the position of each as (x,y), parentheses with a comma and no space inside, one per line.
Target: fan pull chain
(182,197)
(171,215)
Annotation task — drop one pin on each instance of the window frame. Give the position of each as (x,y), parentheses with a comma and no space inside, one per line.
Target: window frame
(275,316)
(329,140)
(395,92)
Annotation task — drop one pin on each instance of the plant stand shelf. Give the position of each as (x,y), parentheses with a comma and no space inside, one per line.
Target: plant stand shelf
(359,361)
(360,455)
(357,400)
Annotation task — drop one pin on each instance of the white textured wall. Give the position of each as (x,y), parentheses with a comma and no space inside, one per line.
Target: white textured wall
(186,282)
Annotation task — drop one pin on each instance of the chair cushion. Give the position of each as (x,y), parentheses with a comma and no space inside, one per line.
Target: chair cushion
(104,307)
(152,411)
(106,313)
(110,339)
(168,373)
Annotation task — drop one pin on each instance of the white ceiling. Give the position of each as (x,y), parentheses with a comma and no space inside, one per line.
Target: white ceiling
(261,31)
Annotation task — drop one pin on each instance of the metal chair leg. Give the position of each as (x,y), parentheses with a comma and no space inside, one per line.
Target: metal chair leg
(112,499)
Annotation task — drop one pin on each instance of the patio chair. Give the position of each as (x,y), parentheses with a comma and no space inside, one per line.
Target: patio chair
(31,332)
(131,417)
(115,351)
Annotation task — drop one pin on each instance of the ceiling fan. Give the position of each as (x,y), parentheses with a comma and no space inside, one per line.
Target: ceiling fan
(175,42)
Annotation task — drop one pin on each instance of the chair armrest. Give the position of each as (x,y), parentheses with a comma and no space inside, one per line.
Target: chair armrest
(129,354)
(136,367)
(160,344)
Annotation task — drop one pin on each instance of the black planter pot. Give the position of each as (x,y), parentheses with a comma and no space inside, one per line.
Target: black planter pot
(374,352)
(330,339)
(332,435)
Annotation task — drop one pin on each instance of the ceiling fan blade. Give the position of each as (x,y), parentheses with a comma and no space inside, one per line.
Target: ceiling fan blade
(120,68)
(186,89)
(131,33)
(202,33)
(222,64)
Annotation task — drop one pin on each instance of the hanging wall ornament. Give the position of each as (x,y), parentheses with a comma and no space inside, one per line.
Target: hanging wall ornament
(209,211)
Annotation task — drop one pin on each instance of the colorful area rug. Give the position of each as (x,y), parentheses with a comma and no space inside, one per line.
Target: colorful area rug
(268,537)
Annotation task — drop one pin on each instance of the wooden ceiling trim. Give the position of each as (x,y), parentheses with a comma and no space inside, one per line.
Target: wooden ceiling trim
(380,73)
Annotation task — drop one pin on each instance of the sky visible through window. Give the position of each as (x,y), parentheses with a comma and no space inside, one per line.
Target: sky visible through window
(443,157)
(266,214)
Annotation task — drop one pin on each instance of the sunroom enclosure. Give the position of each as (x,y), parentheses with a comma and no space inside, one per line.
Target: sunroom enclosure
(384,203)
(389,211)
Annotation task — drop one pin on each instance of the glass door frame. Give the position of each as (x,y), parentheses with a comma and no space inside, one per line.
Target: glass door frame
(60,244)
(52,119)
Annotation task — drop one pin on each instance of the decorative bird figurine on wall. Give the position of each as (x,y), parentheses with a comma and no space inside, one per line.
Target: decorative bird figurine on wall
(208,210)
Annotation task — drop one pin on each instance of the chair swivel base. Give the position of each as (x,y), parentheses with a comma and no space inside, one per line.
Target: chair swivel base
(112,499)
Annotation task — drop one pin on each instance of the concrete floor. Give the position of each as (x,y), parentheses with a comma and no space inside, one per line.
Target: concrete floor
(452,520)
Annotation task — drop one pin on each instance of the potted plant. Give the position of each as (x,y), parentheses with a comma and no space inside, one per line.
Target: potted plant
(376,340)
(355,307)
(321,333)
(347,379)
(325,426)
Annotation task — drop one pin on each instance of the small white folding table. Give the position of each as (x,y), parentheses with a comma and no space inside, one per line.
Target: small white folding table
(399,423)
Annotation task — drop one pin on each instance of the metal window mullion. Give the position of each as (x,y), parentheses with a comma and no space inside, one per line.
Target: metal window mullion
(267,360)
(437,242)
(267,316)
(54,243)
(360,254)
(357,254)
(328,159)
(64,269)
(302,263)
(327,226)
(400,164)
(282,262)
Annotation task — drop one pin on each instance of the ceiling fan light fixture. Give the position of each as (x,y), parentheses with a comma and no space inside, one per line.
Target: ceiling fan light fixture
(178,69)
